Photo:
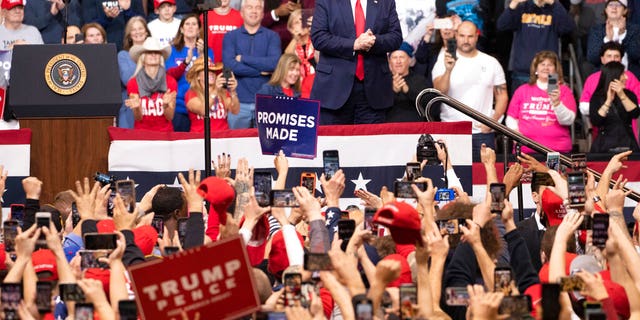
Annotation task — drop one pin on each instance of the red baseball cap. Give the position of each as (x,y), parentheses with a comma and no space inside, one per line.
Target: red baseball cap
(220,195)
(158,3)
(10,4)
(44,264)
(402,220)
(553,207)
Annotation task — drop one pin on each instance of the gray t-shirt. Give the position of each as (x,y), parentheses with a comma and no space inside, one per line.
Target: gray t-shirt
(29,34)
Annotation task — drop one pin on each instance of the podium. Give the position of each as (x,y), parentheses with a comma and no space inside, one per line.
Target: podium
(68,95)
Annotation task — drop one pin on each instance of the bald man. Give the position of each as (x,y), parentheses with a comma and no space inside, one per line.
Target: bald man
(475,79)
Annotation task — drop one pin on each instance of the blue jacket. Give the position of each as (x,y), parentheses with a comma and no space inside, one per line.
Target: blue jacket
(272,90)
(540,32)
(259,53)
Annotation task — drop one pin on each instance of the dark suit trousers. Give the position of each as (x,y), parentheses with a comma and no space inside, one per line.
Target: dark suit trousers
(355,111)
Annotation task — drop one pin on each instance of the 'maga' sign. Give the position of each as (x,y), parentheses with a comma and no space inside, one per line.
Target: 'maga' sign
(288,124)
(214,280)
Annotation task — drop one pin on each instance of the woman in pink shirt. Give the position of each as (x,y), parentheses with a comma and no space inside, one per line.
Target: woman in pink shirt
(540,111)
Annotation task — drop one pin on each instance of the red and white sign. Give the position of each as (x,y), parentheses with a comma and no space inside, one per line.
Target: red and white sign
(215,280)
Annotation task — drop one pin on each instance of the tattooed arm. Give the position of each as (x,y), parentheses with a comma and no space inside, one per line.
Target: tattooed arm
(502,99)
(243,182)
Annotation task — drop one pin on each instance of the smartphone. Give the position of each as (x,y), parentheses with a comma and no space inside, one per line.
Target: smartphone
(600,229)
(330,162)
(171,250)
(89,259)
(75,215)
(542,179)
(403,189)
(550,301)
(128,310)
(283,198)
(346,229)
(127,191)
(100,241)
(292,288)
(553,161)
(308,180)
(515,306)
(71,292)
(552,83)
(43,219)
(587,223)
(226,74)
(579,162)
(413,171)
(158,224)
(79,38)
(577,192)
(10,231)
(593,311)
(450,226)
(502,280)
(11,294)
(84,311)
(456,296)
(363,307)
(182,229)
(408,298)
(452,47)
(445,195)
(442,23)
(572,283)
(262,186)
(17,213)
(369,213)
(317,261)
(276,316)
(43,296)
(498,194)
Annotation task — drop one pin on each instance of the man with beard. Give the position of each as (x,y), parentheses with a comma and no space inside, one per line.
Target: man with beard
(473,78)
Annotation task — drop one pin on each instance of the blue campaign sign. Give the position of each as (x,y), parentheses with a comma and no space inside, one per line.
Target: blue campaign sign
(288,124)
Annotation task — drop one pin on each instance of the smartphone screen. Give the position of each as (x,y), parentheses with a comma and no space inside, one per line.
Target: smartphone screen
(600,229)
(89,259)
(498,191)
(572,283)
(408,298)
(43,296)
(98,241)
(579,162)
(317,261)
(292,288)
(577,193)
(442,23)
(158,224)
(403,189)
(128,310)
(71,292)
(182,229)
(127,191)
(445,195)
(456,296)
(171,250)
(17,212)
(553,161)
(75,215)
(346,229)
(10,231)
(413,171)
(308,180)
(550,301)
(283,198)
(43,219)
(502,280)
(450,226)
(262,187)
(363,308)
(331,163)
(11,295)
(84,311)
(369,213)
(515,306)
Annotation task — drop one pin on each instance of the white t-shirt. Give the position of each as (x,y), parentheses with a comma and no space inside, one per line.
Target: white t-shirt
(472,82)
(165,32)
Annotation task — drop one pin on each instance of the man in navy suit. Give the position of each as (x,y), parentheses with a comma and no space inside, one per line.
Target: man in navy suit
(352,91)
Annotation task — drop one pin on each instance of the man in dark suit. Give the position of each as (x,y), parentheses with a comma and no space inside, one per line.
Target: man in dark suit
(353,81)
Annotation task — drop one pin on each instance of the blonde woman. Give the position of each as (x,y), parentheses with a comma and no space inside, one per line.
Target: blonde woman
(285,80)
(135,32)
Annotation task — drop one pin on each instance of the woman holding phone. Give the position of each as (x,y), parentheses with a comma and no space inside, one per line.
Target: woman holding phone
(611,109)
(544,108)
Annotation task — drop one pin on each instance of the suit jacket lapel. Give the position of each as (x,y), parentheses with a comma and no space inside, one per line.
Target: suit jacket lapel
(372,13)
(345,7)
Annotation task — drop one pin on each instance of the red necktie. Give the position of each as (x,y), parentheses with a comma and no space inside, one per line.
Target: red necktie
(360,22)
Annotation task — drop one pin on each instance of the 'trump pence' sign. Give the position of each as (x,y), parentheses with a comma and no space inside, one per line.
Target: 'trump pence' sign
(215,280)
